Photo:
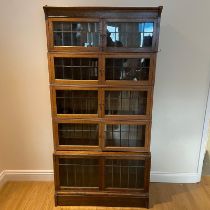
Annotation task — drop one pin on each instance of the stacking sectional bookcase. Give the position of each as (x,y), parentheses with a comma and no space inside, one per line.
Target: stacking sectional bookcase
(101,72)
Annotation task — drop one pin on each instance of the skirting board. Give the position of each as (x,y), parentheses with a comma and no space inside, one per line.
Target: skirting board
(3,179)
(47,175)
(25,175)
(157,176)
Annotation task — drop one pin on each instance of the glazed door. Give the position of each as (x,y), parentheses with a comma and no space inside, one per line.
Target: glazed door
(126,103)
(136,35)
(77,134)
(126,136)
(75,68)
(78,173)
(75,102)
(78,34)
(126,174)
(128,69)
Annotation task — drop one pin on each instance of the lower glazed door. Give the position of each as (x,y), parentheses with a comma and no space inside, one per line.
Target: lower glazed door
(77,173)
(102,171)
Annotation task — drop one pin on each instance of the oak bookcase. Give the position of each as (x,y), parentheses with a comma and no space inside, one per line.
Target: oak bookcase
(102,71)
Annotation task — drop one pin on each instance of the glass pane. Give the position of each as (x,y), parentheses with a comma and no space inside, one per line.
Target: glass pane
(124,173)
(76,34)
(127,69)
(76,68)
(130,35)
(78,134)
(77,101)
(78,172)
(125,102)
(125,135)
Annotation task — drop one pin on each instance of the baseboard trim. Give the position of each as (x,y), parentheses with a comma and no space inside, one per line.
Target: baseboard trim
(157,176)
(25,175)
(47,175)
(3,179)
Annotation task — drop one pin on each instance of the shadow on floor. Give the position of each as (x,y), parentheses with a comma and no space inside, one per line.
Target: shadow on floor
(206,164)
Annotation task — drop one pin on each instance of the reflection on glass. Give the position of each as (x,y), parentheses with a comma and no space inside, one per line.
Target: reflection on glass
(124,173)
(125,135)
(76,34)
(76,68)
(125,102)
(78,172)
(78,134)
(127,69)
(77,101)
(130,35)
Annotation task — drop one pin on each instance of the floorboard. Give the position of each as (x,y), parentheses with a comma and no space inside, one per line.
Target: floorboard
(40,196)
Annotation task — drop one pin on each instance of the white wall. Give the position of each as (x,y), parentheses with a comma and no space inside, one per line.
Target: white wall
(180,91)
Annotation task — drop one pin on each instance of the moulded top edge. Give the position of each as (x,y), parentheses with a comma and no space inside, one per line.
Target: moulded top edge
(98,153)
(54,11)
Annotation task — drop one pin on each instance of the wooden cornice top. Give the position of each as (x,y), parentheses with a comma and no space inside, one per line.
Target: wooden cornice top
(71,11)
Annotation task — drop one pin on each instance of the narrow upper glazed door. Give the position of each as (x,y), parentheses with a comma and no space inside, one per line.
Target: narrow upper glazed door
(130,35)
(126,136)
(74,69)
(75,102)
(75,34)
(129,69)
(76,134)
(127,103)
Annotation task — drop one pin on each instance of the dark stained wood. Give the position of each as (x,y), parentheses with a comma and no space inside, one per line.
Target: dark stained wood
(103,12)
(101,158)
(99,200)
(130,155)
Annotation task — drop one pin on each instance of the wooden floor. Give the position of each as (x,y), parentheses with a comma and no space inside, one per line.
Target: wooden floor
(39,196)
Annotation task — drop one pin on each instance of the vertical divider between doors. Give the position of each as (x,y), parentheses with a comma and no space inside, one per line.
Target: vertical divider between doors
(102,67)
(101,173)
(102,82)
(103,34)
(102,136)
(102,107)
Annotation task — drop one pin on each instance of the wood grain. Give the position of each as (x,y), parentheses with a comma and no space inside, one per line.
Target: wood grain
(40,196)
